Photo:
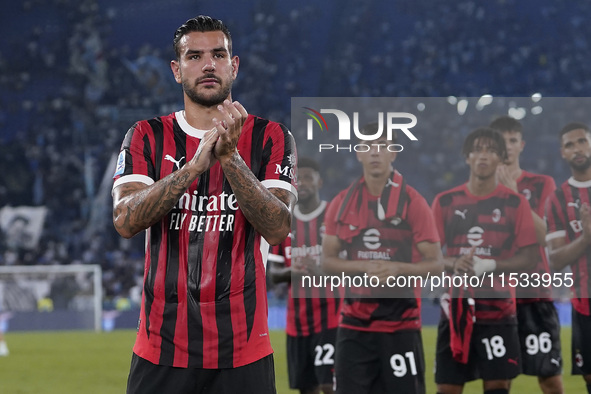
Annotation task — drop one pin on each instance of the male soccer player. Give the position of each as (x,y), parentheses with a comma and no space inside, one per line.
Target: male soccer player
(569,238)
(312,312)
(387,231)
(212,185)
(486,229)
(538,324)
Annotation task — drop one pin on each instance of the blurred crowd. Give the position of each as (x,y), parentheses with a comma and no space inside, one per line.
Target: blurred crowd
(71,85)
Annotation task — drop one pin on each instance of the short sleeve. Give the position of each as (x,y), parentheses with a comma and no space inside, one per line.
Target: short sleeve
(525,233)
(438,218)
(421,219)
(134,163)
(280,154)
(554,218)
(549,188)
(330,217)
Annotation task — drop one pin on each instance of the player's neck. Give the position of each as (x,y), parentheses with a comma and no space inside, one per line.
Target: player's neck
(481,186)
(307,206)
(199,116)
(514,169)
(375,185)
(376,182)
(582,176)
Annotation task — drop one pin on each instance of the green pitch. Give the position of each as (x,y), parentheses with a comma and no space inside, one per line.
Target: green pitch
(86,362)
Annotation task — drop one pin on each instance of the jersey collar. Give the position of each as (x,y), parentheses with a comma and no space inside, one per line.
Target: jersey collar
(306,217)
(186,127)
(573,182)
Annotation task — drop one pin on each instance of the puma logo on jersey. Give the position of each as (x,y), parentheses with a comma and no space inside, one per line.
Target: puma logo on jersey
(396,221)
(555,361)
(461,213)
(392,183)
(575,204)
(177,162)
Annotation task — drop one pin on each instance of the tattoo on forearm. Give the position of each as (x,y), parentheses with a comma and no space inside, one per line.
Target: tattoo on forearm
(267,212)
(141,209)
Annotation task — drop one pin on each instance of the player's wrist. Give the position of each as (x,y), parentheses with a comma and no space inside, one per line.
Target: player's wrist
(229,157)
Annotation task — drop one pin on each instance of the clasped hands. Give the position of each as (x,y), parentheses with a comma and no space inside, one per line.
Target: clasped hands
(220,142)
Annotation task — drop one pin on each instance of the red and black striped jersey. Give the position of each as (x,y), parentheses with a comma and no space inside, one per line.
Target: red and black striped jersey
(310,310)
(564,221)
(536,188)
(392,240)
(204,297)
(497,225)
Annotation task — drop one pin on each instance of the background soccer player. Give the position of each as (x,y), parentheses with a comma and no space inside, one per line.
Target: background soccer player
(312,313)
(569,238)
(486,228)
(538,323)
(211,184)
(387,230)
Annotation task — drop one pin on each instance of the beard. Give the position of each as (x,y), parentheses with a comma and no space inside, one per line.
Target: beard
(582,166)
(306,197)
(207,100)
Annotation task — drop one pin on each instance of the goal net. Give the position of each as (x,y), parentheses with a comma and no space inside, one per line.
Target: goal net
(50,297)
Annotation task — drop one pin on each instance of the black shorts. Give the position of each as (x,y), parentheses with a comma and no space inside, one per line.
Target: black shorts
(539,337)
(148,378)
(376,362)
(310,359)
(581,343)
(494,354)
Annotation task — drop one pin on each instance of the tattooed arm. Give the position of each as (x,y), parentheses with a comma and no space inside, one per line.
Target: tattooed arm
(268,210)
(136,206)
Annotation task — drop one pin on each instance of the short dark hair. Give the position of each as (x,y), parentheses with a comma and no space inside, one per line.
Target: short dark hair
(573,126)
(506,123)
(494,137)
(372,128)
(202,23)
(306,162)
